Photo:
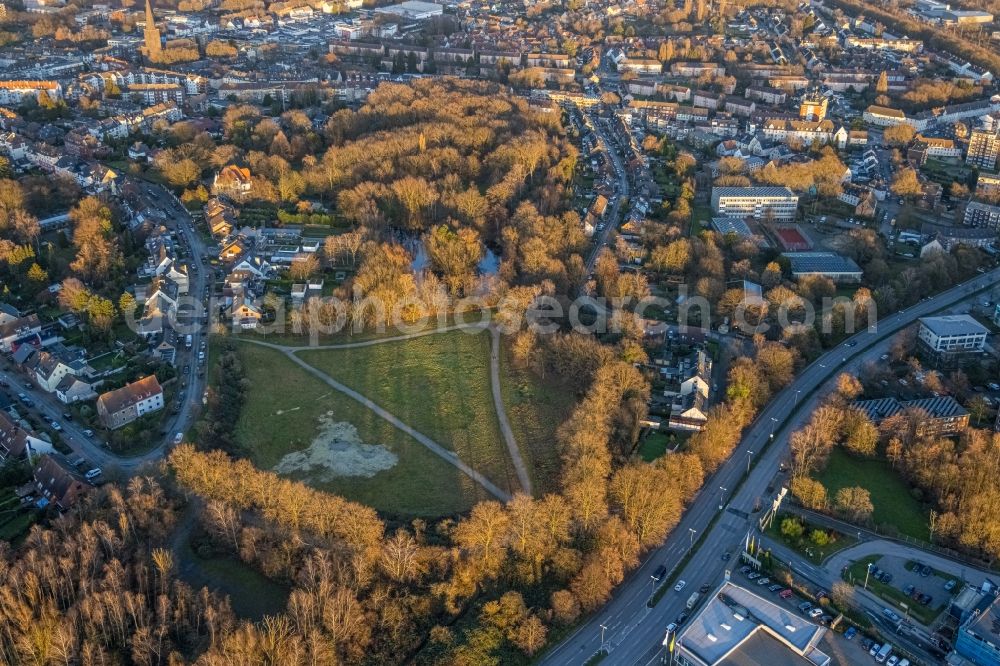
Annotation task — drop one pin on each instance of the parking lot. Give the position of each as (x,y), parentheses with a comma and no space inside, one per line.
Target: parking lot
(917,583)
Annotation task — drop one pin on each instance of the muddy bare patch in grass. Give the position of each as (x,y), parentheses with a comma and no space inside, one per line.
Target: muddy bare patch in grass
(337,451)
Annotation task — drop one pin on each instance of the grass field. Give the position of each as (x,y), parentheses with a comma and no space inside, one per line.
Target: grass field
(439,385)
(535,408)
(281,415)
(894,506)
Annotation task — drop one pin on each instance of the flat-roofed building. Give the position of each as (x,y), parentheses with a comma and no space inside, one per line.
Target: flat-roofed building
(736,626)
(979,214)
(416,10)
(825,264)
(947,337)
(984,149)
(773,203)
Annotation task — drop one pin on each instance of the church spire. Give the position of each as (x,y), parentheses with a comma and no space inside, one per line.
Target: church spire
(151,34)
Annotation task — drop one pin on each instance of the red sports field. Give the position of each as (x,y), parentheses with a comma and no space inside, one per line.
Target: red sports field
(792,239)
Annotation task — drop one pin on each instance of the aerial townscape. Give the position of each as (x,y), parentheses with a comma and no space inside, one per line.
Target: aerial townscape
(552,332)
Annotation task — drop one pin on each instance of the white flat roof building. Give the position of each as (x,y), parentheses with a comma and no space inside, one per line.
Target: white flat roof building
(735,626)
(952,334)
(777,203)
(413,9)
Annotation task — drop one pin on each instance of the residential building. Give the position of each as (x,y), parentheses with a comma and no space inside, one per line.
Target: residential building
(122,406)
(934,417)
(58,482)
(232,181)
(17,443)
(13,93)
(772,203)
(984,149)
(947,337)
(826,264)
(18,331)
(883,116)
(736,626)
(813,107)
(979,214)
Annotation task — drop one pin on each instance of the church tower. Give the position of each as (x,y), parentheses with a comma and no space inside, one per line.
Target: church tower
(151,34)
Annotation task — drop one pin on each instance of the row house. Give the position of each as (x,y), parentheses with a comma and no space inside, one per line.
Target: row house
(805,131)
(13,93)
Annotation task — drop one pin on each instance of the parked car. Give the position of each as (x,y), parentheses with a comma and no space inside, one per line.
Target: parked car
(706,587)
(93,474)
(926,571)
(679,586)
(850,633)
(908,590)
(764,581)
(805,606)
(671,628)
(950,585)
(815,612)
(753,575)
(774,588)
(873,650)
(785,594)
(682,618)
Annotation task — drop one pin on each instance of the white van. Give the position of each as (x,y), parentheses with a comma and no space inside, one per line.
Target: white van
(884,653)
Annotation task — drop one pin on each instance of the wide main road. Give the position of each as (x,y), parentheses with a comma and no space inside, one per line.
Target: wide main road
(631,631)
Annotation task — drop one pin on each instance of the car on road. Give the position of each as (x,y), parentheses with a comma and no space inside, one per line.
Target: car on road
(93,474)
(658,574)
(890,614)
(178,438)
(726,556)
(852,343)
(88,433)
(67,416)
(677,588)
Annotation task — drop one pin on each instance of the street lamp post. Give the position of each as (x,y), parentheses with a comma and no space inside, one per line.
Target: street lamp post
(797,392)
(868,571)
(722,495)
(604,628)
(692,532)
(774,424)
(749,455)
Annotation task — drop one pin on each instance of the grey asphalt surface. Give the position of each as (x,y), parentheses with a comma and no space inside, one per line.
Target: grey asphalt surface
(634,631)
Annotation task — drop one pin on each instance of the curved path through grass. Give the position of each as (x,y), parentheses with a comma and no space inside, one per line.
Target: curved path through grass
(433,446)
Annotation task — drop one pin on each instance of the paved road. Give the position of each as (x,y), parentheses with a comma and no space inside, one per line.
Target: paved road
(633,631)
(613,213)
(508,435)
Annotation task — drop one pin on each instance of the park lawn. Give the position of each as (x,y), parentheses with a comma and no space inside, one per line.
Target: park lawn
(536,407)
(281,414)
(894,506)
(438,385)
